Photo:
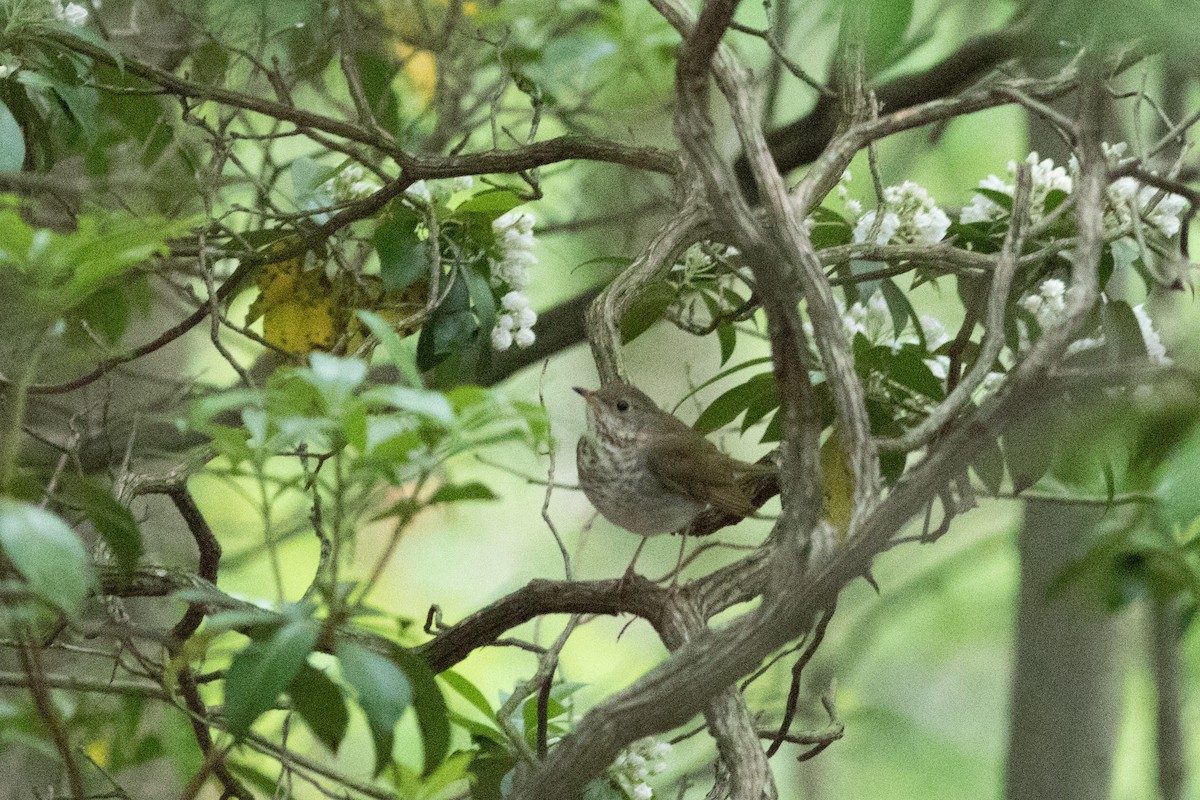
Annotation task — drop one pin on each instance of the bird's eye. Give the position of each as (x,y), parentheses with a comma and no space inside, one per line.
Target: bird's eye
(622,405)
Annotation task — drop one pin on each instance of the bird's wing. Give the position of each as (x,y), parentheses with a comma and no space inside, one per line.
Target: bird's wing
(703,473)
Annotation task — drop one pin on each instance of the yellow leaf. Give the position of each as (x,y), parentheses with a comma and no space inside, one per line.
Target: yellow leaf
(420,69)
(838,484)
(302,309)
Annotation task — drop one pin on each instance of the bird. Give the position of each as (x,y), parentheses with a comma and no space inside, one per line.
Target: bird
(647,471)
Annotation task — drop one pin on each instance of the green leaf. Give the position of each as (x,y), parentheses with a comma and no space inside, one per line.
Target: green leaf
(334,377)
(384,693)
(377,75)
(262,670)
(451,325)
(1029,450)
(726,408)
(47,553)
(422,402)
(646,310)
(901,310)
(1122,334)
(210,62)
(830,229)
(12,142)
(113,521)
(727,338)
(493,203)
(1054,199)
(989,466)
(887,24)
(320,704)
(1002,199)
(403,256)
(453,493)
(468,691)
(432,714)
(482,299)
(402,353)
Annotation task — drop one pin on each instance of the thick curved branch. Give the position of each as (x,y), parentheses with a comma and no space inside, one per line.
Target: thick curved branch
(605,313)
(802,141)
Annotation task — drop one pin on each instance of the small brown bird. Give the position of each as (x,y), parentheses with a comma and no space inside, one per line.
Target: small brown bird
(646,471)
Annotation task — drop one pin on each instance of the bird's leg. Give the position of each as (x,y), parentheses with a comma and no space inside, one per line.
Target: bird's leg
(629,570)
(679,561)
(628,576)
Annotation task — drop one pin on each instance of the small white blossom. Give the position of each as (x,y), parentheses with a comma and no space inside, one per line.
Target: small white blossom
(635,764)
(501,339)
(514,301)
(419,190)
(350,184)
(4,71)
(525,337)
(984,209)
(934,331)
(887,227)
(1127,197)
(506,322)
(73,14)
(1154,345)
(526,318)
(854,207)
(462,183)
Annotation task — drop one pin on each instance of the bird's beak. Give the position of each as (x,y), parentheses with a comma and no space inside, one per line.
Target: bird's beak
(587,394)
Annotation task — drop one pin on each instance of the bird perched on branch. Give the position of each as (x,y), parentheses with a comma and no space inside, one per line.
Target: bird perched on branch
(648,472)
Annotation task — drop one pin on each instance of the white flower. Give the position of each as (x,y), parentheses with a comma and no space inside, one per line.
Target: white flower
(984,209)
(514,301)
(462,183)
(4,71)
(1049,302)
(526,318)
(501,339)
(419,190)
(1154,345)
(350,184)
(854,207)
(506,322)
(910,216)
(73,14)
(642,791)
(525,337)
(934,331)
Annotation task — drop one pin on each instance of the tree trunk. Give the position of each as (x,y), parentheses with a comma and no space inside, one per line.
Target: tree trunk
(1065,690)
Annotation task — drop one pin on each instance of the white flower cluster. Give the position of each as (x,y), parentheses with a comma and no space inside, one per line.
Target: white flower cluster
(1048,304)
(1127,197)
(515,324)
(910,216)
(441,189)
(636,763)
(350,184)
(516,243)
(73,14)
(1044,178)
